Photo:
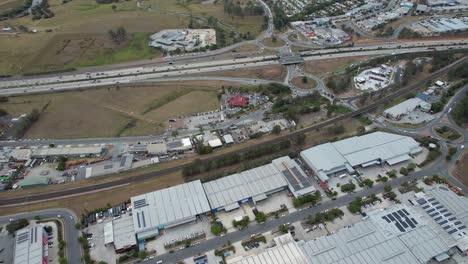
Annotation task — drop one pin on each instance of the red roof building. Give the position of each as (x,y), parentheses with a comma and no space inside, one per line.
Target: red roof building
(238,101)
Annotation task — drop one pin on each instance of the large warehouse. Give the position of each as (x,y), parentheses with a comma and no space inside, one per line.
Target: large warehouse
(255,184)
(398,234)
(345,155)
(31,245)
(168,207)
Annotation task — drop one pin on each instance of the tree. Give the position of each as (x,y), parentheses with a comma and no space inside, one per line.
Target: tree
(404,171)
(142,254)
(78,226)
(17,225)
(305,79)
(216,229)
(118,36)
(283,229)
(369,182)
(411,166)
(260,217)
(61,163)
(3,112)
(388,188)
(276,130)
(114,7)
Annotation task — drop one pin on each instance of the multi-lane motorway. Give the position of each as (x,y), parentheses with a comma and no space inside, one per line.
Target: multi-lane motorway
(60,82)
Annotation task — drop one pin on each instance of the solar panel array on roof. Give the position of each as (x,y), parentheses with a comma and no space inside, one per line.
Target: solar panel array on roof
(438,213)
(401,219)
(139,203)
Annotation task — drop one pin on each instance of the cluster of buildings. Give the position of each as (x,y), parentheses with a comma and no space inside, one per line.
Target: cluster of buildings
(442,6)
(319,31)
(183,39)
(439,26)
(155,211)
(383,17)
(332,8)
(431,228)
(375,79)
(421,102)
(332,159)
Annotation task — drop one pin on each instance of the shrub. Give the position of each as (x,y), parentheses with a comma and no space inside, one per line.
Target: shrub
(348,187)
(216,229)
(388,188)
(404,171)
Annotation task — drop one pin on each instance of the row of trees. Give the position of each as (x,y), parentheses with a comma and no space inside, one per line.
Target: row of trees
(25,123)
(200,166)
(321,217)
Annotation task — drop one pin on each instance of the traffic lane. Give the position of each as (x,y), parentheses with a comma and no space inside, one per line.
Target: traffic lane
(71,234)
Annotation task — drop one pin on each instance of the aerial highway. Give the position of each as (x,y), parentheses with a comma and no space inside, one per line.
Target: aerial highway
(132,75)
(96,187)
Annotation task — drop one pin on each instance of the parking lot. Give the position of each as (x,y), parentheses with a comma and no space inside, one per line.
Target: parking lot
(99,251)
(274,202)
(203,119)
(180,233)
(227,217)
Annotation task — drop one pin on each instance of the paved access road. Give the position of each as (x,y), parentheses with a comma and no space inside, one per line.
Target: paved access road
(71,234)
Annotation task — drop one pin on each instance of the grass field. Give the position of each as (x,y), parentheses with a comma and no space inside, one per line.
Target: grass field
(319,67)
(298,82)
(274,73)
(270,43)
(77,34)
(106,112)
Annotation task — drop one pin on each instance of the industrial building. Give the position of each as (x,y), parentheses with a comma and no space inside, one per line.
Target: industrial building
(285,251)
(183,39)
(67,152)
(375,78)
(298,182)
(182,145)
(399,234)
(361,151)
(229,192)
(157,149)
(120,233)
(31,245)
(33,181)
(16,154)
(155,211)
(404,108)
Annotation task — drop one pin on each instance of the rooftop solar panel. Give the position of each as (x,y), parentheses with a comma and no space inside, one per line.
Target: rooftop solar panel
(447,227)
(400,227)
(434,214)
(386,219)
(452,218)
(421,201)
(404,210)
(457,222)
(435,203)
(426,206)
(414,221)
(401,213)
(461,227)
(452,231)
(443,222)
(431,210)
(447,214)
(438,218)
(405,225)
(391,217)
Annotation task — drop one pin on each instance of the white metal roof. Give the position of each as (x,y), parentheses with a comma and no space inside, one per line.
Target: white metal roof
(404,107)
(287,252)
(157,148)
(228,139)
(123,232)
(378,240)
(355,151)
(29,247)
(214,143)
(240,186)
(166,206)
(109,233)
(42,152)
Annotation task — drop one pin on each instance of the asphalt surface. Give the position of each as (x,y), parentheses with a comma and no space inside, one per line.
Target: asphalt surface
(71,234)
(142,177)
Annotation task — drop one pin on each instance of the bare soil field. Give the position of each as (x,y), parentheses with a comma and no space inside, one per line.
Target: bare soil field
(107,112)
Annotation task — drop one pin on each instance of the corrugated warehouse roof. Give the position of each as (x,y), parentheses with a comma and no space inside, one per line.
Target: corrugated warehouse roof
(31,181)
(404,107)
(28,245)
(67,151)
(397,235)
(231,189)
(362,150)
(168,206)
(157,148)
(284,253)
(123,232)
